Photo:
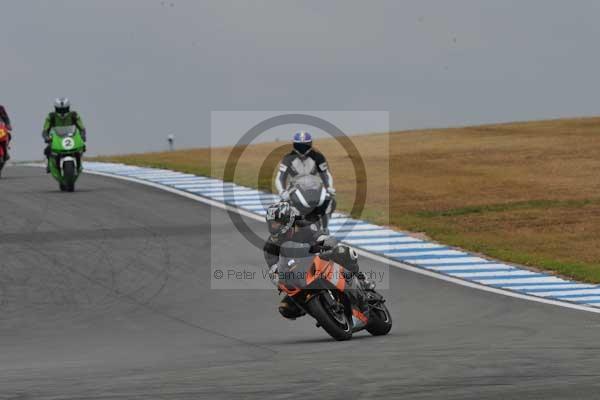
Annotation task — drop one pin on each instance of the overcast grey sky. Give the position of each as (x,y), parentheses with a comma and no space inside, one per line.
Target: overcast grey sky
(137,70)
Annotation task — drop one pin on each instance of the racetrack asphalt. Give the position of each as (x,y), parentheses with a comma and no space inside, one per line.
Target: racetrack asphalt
(105,294)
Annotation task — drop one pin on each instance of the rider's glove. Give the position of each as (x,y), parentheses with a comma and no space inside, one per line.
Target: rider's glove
(331,191)
(327,242)
(285,195)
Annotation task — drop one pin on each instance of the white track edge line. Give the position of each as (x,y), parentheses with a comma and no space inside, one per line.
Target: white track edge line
(372,256)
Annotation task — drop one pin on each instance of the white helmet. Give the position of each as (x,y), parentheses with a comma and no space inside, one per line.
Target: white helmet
(62,105)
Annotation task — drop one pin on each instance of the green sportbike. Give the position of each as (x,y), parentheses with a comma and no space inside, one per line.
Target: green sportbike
(67,147)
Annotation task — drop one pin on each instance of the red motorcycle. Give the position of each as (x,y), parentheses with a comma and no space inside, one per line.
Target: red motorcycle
(4,142)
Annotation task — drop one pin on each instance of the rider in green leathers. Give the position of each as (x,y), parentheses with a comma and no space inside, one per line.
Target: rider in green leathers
(61,116)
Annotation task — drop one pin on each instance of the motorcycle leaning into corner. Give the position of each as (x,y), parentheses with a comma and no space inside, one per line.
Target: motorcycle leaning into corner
(339,302)
(67,147)
(4,142)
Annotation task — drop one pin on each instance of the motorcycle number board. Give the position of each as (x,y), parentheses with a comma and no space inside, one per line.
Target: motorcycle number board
(68,143)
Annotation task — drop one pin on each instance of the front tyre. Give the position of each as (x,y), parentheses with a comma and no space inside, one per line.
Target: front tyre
(330,315)
(69,176)
(380,320)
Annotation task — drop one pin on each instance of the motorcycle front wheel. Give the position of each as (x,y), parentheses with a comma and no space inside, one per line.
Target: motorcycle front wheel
(330,315)
(69,175)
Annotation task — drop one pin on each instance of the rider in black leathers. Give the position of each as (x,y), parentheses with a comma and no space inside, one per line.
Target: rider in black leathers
(304,159)
(283,224)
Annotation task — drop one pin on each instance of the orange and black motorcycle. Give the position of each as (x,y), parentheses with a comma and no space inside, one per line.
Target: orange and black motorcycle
(330,293)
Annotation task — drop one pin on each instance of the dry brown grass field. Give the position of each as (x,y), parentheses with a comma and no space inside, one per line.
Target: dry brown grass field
(526,192)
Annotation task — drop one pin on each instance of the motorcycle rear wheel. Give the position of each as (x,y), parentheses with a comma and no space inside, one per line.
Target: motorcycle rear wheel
(380,321)
(334,323)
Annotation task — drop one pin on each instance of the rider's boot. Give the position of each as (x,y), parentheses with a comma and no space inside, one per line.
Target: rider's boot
(359,297)
(5,148)
(288,309)
(47,152)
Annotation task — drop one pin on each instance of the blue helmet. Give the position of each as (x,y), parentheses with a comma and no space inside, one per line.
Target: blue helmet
(302,143)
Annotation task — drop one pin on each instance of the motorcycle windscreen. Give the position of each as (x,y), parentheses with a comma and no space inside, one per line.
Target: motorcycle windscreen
(66,139)
(311,190)
(295,264)
(65,131)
